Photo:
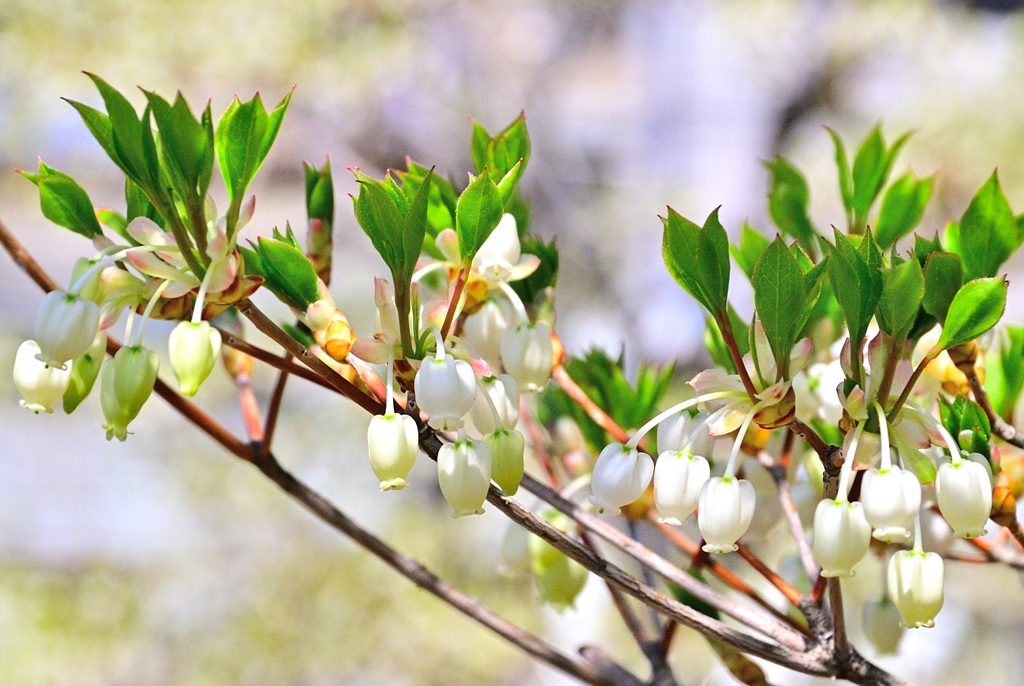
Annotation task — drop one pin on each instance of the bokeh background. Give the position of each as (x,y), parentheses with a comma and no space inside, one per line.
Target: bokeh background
(162,561)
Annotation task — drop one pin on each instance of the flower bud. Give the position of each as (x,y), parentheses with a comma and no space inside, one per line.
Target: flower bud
(84,371)
(393,440)
(504,394)
(193,348)
(726,508)
(482,333)
(65,327)
(506,449)
(40,384)
(527,354)
(336,338)
(964,492)
(891,499)
(915,586)
(841,536)
(675,432)
(559,579)
(678,479)
(126,382)
(882,625)
(621,475)
(464,474)
(445,390)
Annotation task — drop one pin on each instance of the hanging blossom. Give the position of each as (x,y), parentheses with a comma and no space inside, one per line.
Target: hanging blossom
(891,497)
(842,533)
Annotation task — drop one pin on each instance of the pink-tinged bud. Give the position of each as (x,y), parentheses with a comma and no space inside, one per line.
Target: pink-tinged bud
(915,586)
(40,384)
(320,313)
(394,443)
(841,537)
(621,475)
(964,492)
(507,449)
(891,499)
(725,511)
(445,390)
(559,579)
(126,382)
(482,332)
(193,349)
(678,480)
(528,355)
(464,474)
(65,327)
(503,392)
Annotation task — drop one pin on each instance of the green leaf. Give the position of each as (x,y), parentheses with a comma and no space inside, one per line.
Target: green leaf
(504,155)
(943,277)
(902,208)
(988,232)
(1004,372)
(752,244)
(856,285)
(679,247)
(414,227)
(319,193)
(184,147)
(966,415)
(843,165)
(64,202)
(287,272)
(977,307)
(788,200)
(100,128)
(715,343)
(713,262)
(478,212)
(125,134)
(871,169)
(901,298)
(381,220)
(779,294)
(479,145)
(243,138)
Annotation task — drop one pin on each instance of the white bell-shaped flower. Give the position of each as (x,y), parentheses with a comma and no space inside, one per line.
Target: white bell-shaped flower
(882,625)
(621,475)
(503,392)
(891,499)
(678,479)
(464,474)
(507,448)
(726,509)
(915,586)
(126,382)
(841,536)
(482,333)
(964,492)
(65,327)
(40,384)
(500,258)
(445,390)
(393,440)
(685,432)
(193,348)
(527,354)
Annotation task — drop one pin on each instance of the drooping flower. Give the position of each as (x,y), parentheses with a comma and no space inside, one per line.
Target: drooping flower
(891,499)
(503,394)
(445,390)
(85,369)
(500,259)
(679,477)
(621,475)
(65,327)
(841,536)
(126,382)
(685,432)
(482,332)
(193,349)
(559,579)
(915,586)
(464,474)
(393,440)
(527,354)
(506,449)
(964,492)
(40,384)
(725,511)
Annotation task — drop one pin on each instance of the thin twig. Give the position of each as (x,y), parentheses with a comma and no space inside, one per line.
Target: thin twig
(780,584)
(777,470)
(250,409)
(284,364)
(274,410)
(835,599)
(599,416)
(629,617)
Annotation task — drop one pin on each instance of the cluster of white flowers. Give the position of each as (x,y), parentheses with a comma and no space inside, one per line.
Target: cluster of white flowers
(461,379)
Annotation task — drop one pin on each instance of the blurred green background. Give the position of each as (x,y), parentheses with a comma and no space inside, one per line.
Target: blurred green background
(162,561)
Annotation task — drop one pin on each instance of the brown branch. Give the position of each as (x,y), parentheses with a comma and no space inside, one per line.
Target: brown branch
(895,409)
(1000,426)
(780,584)
(777,470)
(725,328)
(453,304)
(250,409)
(274,410)
(370,378)
(629,617)
(835,599)
(599,416)
(812,439)
(284,364)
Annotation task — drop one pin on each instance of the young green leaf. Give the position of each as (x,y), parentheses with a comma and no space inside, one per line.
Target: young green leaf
(943,277)
(244,136)
(125,134)
(64,202)
(902,208)
(988,232)
(845,182)
(857,286)
(977,307)
(184,146)
(381,220)
(679,248)
(871,169)
(478,212)
(1004,373)
(788,200)
(713,262)
(901,298)
(287,273)
(414,227)
(779,295)
(752,244)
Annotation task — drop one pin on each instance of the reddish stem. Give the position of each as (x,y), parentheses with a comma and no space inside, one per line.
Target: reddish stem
(453,304)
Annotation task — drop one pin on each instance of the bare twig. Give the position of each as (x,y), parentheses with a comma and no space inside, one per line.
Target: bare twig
(284,364)
(599,416)
(777,470)
(274,410)
(250,409)
(780,584)
(835,599)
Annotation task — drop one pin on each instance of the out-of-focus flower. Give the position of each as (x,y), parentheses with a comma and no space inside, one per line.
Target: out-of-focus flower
(559,579)
(841,536)
(193,349)
(40,384)
(882,624)
(503,392)
(506,449)
(527,354)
